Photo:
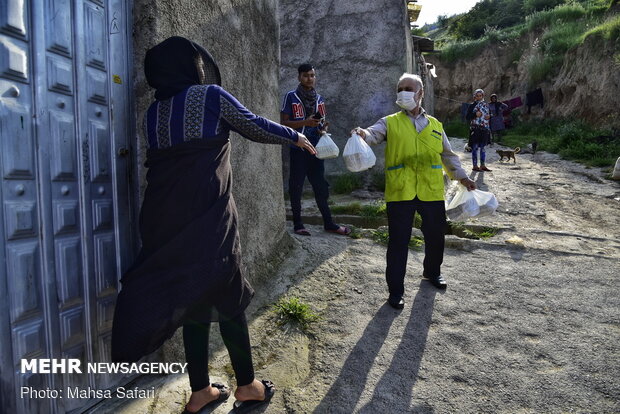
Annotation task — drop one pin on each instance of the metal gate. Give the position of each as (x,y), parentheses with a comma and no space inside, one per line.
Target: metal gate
(64,201)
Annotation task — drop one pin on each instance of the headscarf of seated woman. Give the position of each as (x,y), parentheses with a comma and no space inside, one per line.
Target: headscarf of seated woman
(177,63)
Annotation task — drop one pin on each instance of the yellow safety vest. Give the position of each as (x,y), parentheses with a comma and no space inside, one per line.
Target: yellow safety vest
(413,164)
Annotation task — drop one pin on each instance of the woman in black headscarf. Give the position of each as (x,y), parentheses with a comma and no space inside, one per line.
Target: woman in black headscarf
(190,259)
(496,123)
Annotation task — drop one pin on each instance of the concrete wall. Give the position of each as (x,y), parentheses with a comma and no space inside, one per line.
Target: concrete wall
(359,50)
(242,35)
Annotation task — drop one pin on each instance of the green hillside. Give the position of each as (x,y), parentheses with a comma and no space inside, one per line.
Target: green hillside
(562,24)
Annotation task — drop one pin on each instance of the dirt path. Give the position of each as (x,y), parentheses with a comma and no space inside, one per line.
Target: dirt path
(529,323)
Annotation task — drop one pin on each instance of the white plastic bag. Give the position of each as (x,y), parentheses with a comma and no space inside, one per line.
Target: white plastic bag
(326,148)
(616,173)
(357,154)
(474,203)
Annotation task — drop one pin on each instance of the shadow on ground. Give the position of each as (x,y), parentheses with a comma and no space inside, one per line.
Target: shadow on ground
(395,386)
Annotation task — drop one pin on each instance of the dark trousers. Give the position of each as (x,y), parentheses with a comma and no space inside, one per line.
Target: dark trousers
(400,221)
(302,165)
(236,338)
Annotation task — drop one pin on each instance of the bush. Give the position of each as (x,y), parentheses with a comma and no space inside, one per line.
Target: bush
(541,68)
(456,128)
(377,180)
(561,14)
(535,5)
(345,183)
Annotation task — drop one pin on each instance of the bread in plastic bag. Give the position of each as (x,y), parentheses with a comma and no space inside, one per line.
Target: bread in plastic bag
(357,154)
(326,148)
(466,204)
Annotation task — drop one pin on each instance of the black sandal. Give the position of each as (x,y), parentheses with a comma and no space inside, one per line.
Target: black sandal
(224,394)
(241,407)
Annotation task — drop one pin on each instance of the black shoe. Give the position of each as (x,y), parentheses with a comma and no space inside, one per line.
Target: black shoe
(439,282)
(397,303)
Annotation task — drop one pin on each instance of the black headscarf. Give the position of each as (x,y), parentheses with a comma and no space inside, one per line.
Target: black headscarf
(172,66)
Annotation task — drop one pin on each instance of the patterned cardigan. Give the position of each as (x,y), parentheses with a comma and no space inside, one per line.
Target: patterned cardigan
(207,111)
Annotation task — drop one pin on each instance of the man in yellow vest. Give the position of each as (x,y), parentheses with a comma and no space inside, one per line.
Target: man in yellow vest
(416,152)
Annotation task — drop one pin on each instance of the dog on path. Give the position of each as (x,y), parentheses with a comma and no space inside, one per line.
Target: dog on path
(508,154)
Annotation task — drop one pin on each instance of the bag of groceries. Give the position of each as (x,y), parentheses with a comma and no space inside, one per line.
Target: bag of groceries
(357,154)
(466,204)
(326,147)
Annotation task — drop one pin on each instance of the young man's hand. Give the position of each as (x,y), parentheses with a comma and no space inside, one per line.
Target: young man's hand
(312,122)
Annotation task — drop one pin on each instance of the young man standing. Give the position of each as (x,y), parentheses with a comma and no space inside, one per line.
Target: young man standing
(304,110)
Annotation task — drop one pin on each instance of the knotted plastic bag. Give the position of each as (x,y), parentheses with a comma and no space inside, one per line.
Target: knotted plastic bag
(466,204)
(357,154)
(616,174)
(326,148)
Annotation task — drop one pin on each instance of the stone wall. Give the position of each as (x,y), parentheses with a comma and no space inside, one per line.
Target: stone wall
(243,38)
(359,50)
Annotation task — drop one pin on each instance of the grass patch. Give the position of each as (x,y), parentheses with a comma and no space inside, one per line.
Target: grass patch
(353,209)
(560,14)
(293,310)
(458,228)
(382,236)
(571,139)
(608,30)
(375,209)
(355,233)
(488,232)
(346,183)
(416,243)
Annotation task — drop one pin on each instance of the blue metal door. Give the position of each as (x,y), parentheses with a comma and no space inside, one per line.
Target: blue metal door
(65,195)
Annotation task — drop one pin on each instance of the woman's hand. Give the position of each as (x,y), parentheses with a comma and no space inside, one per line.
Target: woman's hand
(304,144)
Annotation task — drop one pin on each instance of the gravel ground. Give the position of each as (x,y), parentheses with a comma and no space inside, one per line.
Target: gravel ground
(529,323)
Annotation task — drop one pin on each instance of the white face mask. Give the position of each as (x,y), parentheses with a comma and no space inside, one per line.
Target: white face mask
(407,100)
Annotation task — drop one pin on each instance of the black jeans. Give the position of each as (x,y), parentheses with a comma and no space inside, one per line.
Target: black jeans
(305,164)
(400,221)
(236,338)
